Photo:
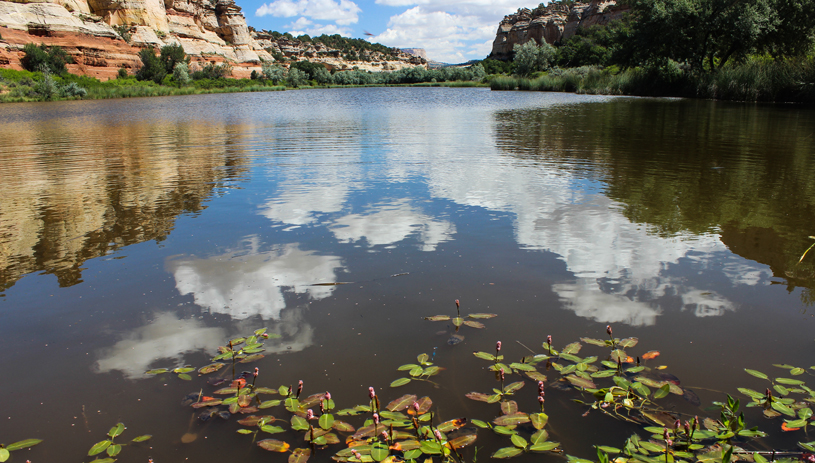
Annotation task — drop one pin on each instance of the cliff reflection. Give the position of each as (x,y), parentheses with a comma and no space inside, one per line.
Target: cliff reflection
(688,167)
(83,188)
(251,282)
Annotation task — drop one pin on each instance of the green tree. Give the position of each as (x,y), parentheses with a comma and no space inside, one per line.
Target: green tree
(530,57)
(152,67)
(172,55)
(296,77)
(51,58)
(181,73)
(273,72)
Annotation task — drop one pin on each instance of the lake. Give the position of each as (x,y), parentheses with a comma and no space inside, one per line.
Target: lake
(140,234)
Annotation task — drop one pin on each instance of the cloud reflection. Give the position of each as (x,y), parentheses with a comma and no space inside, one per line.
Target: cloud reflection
(251,282)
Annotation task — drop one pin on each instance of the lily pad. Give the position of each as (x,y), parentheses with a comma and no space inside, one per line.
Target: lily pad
(273,445)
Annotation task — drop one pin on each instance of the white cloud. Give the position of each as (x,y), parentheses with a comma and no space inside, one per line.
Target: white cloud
(342,12)
(249,283)
(445,36)
(305,26)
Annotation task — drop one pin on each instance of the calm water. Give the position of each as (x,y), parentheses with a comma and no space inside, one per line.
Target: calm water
(144,233)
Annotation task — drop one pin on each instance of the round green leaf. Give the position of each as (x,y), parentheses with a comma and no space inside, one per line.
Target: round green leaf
(4,455)
(114,450)
(326,421)
(116,430)
(519,441)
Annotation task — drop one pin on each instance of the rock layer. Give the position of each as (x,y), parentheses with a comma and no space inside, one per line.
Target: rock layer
(552,23)
(104,35)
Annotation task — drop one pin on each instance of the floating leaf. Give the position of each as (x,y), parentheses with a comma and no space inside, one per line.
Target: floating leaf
(342,426)
(430,371)
(512,387)
(462,441)
(572,348)
(424,406)
(408,367)
(99,447)
(273,445)
(485,356)
(628,343)
(269,404)
(211,368)
(157,371)
(458,321)
(536,375)
(451,425)
(650,355)
(438,318)
(114,450)
(299,423)
(326,421)
(400,382)
(521,366)
(539,420)
(507,452)
(757,374)
(23,444)
(544,446)
(539,437)
(252,358)
(510,406)
(379,451)
(581,382)
(512,419)
(422,358)
(474,324)
(751,393)
(519,441)
(401,403)
(4,454)
(641,389)
(142,438)
(272,429)
(781,408)
(103,460)
(430,447)
(662,391)
(797,371)
(788,381)
(480,396)
(185,377)
(116,430)
(183,370)
(596,342)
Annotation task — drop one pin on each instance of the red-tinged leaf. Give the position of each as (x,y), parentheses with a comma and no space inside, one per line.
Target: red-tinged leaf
(367,431)
(510,406)
(405,445)
(252,420)
(246,410)
(479,396)
(511,419)
(482,315)
(474,324)
(273,445)
(299,455)
(581,382)
(211,368)
(424,406)
(226,391)
(448,426)
(402,402)
(438,318)
(462,441)
(784,427)
(650,355)
(207,403)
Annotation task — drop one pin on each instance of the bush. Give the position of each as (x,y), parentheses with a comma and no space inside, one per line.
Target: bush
(72,89)
(152,66)
(530,57)
(47,86)
(273,72)
(172,55)
(51,58)
(296,77)
(122,73)
(213,71)
(181,73)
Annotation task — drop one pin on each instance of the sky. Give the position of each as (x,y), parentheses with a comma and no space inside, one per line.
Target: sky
(451,31)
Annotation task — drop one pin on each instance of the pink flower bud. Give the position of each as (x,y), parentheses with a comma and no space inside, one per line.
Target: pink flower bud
(540,387)
(498,346)
(371,392)
(416,407)
(665,433)
(309,414)
(376,418)
(384,435)
(608,329)
(502,374)
(677,424)
(669,442)
(549,339)
(327,396)
(541,399)
(437,433)
(457,304)
(257,370)
(687,427)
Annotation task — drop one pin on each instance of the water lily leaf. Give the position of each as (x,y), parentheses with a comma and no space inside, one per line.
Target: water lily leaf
(326,421)
(662,391)
(536,375)
(462,441)
(451,425)
(628,343)
(438,318)
(299,423)
(99,447)
(474,324)
(211,368)
(482,315)
(269,404)
(507,452)
(114,450)
(479,396)
(157,371)
(273,445)
(539,420)
(519,441)
(596,342)
(788,381)
(402,402)
(116,430)
(581,382)
(510,406)
(512,419)
(512,387)
(142,438)
(23,444)
(400,382)
(544,446)
(757,374)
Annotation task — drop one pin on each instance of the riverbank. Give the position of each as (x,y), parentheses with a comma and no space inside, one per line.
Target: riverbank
(755,80)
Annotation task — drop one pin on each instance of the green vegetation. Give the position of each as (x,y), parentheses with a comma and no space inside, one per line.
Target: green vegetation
(757,50)
(42,58)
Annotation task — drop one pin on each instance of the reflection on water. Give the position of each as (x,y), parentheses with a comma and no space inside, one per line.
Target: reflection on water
(249,282)
(557,212)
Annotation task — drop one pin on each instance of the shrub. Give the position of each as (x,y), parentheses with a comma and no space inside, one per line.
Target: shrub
(213,71)
(122,73)
(181,73)
(296,77)
(72,89)
(152,67)
(273,72)
(51,58)
(530,57)
(172,55)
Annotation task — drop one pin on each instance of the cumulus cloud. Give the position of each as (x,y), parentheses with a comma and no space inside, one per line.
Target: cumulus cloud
(342,12)
(305,26)
(444,35)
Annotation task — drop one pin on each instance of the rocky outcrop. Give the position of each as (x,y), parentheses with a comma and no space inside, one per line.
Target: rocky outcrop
(104,35)
(552,23)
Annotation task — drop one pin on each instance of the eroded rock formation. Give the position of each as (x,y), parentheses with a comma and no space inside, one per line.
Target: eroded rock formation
(552,23)
(103,35)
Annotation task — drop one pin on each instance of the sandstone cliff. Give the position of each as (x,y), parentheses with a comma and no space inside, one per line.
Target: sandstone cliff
(103,35)
(552,23)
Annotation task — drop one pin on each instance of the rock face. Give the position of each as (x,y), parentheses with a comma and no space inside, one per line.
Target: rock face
(104,35)
(552,23)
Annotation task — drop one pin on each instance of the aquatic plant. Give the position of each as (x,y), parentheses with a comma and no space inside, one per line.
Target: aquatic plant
(420,372)
(110,447)
(458,320)
(5,450)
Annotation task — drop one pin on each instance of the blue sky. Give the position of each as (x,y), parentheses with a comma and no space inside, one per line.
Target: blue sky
(451,31)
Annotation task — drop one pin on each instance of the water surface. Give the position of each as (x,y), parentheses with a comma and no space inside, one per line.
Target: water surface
(145,233)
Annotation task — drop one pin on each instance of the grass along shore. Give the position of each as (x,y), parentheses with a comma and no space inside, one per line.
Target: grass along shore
(756,80)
